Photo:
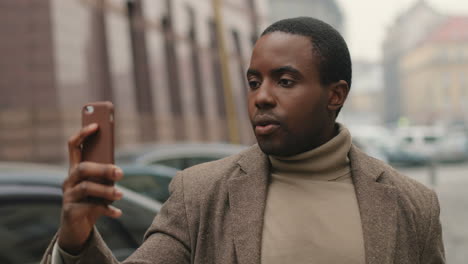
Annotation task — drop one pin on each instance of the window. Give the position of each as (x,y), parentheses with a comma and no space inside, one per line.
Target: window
(198,160)
(125,234)
(430,139)
(186,162)
(177,163)
(154,186)
(238,46)
(27,226)
(216,64)
(141,75)
(408,140)
(172,66)
(196,68)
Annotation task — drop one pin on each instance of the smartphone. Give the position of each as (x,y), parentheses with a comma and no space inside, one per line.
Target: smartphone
(99,147)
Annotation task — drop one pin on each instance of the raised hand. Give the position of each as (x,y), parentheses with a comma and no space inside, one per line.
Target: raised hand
(85,195)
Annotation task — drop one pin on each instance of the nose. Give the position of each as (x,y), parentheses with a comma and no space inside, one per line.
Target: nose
(264,97)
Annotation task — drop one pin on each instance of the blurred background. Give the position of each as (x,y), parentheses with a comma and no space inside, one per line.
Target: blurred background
(175,71)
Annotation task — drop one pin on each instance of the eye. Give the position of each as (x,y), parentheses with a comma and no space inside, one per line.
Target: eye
(254,84)
(286,83)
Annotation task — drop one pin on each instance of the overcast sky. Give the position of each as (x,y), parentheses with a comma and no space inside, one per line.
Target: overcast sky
(366,21)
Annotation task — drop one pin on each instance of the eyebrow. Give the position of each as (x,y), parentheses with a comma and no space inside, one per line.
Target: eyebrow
(253,72)
(279,70)
(284,69)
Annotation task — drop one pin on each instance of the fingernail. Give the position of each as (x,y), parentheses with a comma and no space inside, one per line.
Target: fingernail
(118,193)
(92,126)
(117,211)
(118,174)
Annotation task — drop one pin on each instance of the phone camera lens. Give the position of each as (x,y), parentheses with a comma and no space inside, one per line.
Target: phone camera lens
(89,109)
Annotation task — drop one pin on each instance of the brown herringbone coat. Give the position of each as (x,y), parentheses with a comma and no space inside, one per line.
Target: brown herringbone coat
(215,215)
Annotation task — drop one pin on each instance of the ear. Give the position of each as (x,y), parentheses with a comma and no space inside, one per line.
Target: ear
(337,94)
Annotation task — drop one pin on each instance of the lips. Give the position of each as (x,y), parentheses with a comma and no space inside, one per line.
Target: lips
(265,125)
(266,130)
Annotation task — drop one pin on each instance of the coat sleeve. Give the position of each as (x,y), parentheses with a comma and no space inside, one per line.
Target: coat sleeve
(168,238)
(95,251)
(166,241)
(433,252)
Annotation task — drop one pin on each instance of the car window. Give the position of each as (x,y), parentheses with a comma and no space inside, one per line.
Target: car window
(408,139)
(125,158)
(153,186)
(136,219)
(197,160)
(177,163)
(117,237)
(430,139)
(185,162)
(27,227)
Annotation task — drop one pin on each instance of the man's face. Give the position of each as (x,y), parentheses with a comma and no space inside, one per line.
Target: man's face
(287,104)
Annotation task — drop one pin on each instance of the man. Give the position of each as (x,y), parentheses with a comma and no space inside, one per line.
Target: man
(304,194)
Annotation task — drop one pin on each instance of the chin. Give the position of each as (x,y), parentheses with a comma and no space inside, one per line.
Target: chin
(283,148)
(273,148)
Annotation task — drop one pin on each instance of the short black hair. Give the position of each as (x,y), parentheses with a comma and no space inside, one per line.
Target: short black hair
(327,43)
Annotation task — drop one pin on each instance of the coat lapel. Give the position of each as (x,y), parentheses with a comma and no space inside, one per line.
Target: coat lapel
(247,198)
(378,208)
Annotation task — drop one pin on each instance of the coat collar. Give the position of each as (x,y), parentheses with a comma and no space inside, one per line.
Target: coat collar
(377,204)
(247,199)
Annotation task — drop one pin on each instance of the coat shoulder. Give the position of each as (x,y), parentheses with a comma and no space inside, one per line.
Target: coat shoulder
(212,170)
(387,174)
(407,186)
(215,173)
(412,193)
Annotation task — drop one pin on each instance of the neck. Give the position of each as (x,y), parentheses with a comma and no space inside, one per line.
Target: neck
(328,160)
(329,133)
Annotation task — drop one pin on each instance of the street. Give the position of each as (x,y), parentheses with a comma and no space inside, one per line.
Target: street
(451,185)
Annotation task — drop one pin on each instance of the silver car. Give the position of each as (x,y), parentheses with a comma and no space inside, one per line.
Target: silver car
(178,155)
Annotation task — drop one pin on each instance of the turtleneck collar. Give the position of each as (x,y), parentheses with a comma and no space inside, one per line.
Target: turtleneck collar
(327,162)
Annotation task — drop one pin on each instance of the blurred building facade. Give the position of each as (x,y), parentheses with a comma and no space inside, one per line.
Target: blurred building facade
(408,30)
(435,76)
(29,124)
(157,61)
(364,104)
(326,10)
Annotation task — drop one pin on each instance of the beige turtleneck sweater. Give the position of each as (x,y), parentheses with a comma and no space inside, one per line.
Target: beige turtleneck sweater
(312,214)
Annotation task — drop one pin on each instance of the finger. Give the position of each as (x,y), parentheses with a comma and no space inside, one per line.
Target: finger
(74,143)
(74,211)
(98,210)
(88,189)
(112,211)
(94,171)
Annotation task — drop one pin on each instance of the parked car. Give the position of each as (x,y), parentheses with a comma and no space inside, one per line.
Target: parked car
(453,147)
(149,180)
(400,156)
(30,204)
(370,149)
(178,155)
(395,147)
(372,139)
(430,144)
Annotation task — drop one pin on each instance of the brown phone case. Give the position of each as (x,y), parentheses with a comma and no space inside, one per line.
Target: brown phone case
(99,147)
